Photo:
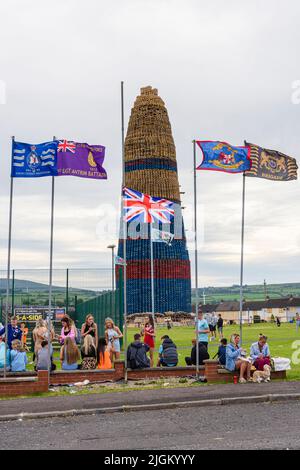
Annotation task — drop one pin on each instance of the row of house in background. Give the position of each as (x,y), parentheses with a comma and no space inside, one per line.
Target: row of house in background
(257,310)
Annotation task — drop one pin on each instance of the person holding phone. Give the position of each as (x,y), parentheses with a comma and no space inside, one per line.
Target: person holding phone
(90,328)
(236,360)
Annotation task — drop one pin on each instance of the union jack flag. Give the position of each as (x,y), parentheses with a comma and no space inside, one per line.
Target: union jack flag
(145,208)
(66,146)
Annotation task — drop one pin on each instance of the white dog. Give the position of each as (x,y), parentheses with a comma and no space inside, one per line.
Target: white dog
(262,375)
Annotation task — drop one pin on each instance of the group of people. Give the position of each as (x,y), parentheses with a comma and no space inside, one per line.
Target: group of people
(237,360)
(86,350)
(78,348)
(144,343)
(232,356)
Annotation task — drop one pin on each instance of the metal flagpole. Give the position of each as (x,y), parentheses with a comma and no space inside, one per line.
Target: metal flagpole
(124,230)
(196,259)
(8,257)
(152,275)
(242,259)
(51,269)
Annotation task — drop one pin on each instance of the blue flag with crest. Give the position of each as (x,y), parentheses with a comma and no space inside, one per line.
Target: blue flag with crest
(221,156)
(34,160)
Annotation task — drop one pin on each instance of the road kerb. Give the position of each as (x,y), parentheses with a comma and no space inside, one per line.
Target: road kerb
(270,398)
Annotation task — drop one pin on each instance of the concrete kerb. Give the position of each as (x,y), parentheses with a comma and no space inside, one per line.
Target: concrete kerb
(270,398)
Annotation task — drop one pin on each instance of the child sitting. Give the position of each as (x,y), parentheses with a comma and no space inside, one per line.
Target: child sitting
(18,358)
(221,354)
(44,357)
(2,354)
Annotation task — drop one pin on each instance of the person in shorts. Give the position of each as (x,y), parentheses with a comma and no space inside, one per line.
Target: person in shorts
(212,323)
(220,323)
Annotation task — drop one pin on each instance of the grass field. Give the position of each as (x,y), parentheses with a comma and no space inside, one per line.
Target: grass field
(280,341)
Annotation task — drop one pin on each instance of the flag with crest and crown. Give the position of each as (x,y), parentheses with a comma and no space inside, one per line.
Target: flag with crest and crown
(33,160)
(221,156)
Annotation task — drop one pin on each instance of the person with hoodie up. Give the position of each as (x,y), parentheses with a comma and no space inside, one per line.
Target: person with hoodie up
(137,354)
(168,356)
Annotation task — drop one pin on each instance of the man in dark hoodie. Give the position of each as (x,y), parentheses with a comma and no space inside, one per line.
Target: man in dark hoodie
(203,354)
(137,354)
(168,356)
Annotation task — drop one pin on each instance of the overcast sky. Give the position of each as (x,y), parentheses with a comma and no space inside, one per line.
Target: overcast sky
(225,70)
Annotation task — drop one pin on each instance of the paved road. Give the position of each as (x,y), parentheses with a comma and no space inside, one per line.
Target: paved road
(139,397)
(259,426)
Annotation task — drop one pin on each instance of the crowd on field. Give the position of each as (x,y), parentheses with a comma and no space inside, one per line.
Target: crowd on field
(84,348)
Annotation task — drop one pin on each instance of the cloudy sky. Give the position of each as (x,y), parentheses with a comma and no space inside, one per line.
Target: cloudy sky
(226,72)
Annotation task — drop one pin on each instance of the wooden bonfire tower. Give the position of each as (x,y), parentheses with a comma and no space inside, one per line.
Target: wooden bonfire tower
(151,168)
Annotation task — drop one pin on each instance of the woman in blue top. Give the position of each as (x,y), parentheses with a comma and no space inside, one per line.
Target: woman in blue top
(233,359)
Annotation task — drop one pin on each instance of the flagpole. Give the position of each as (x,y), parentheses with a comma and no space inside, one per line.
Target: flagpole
(242,259)
(152,275)
(196,259)
(51,269)
(124,231)
(9,257)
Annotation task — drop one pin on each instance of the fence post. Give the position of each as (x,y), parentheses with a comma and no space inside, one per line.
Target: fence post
(67,291)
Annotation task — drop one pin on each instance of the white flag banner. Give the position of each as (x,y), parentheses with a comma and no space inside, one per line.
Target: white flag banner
(120,261)
(161,236)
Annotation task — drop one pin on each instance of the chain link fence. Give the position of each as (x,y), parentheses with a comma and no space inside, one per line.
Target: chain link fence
(29,290)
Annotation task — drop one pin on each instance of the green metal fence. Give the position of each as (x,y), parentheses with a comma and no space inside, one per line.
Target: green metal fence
(107,304)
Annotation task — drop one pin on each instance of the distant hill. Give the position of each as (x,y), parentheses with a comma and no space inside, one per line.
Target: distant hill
(24,286)
(251,292)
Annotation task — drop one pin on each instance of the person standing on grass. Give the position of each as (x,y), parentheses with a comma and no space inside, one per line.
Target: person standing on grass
(24,330)
(90,328)
(13,332)
(220,323)
(113,334)
(149,334)
(297,322)
(278,322)
(260,353)
(39,334)
(69,355)
(202,329)
(235,360)
(213,326)
(68,330)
